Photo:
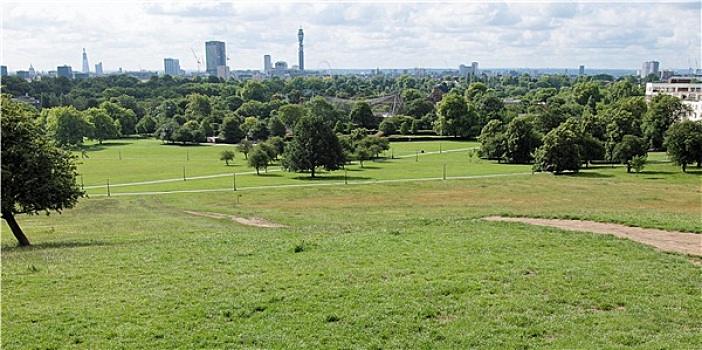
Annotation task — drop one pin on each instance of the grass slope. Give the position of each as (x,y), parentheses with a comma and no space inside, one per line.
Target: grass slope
(389,265)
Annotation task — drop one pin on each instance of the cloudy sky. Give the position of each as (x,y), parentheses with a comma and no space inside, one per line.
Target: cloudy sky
(353,34)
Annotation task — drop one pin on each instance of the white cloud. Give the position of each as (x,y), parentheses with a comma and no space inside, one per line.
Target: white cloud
(362,34)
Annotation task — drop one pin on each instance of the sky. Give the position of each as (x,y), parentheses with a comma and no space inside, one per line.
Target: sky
(138,35)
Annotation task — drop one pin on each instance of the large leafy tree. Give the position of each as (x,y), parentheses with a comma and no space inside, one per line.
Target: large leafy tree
(36,175)
(259,159)
(454,116)
(362,115)
(628,149)
(663,111)
(103,126)
(314,145)
(289,114)
(493,142)
(683,142)
(230,130)
(66,125)
(560,151)
(126,117)
(522,140)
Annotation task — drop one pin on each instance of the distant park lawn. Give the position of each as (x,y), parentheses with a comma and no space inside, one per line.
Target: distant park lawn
(367,257)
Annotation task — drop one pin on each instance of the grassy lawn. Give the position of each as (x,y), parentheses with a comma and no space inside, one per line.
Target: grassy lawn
(379,265)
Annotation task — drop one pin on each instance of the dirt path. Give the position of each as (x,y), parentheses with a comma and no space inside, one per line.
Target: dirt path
(258,222)
(669,241)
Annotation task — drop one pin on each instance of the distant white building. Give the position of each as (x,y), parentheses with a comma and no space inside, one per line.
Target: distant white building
(683,88)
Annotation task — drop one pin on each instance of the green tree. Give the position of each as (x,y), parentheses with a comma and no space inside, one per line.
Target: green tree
(259,159)
(453,116)
(314,145)
(199,106)
(189,133)
(227,155)
(126,117)
(621,123)
(683,142)
(279,144)
(66,126)
(270,149)
(254,90)
(103,127)
(230,130)
(319,107)
(362,115)
(36,175)
(147,125)
(290,114)
(663,111)
(638,163)
(522,140)
(631,146)
(167,131)
(244,147)
(560,151)
(374,144)
(493,143)
(276,127)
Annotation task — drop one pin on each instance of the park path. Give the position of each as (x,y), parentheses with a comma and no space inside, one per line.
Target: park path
(669,241)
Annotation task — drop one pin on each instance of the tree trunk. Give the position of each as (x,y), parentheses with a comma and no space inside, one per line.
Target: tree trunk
(16,229)
(312,172)
(684,167)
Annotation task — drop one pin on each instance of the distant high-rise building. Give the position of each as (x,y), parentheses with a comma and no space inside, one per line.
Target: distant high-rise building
(215,56)
(301,51)
(267,64)
(3,71)
(581,71)
(171,66)
(650,67)
(64,71)
(32,72)
(86,66)
(22,74)
(98,69)
(464,70)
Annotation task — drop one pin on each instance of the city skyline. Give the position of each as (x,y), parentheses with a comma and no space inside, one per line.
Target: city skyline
(354,35)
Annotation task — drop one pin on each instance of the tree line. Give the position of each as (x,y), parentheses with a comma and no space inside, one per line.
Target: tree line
(518,119)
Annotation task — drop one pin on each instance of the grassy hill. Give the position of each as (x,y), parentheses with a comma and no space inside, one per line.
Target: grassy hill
(382,262)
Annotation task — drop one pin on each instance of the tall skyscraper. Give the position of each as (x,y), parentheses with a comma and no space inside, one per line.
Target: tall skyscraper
(581,71)
(215,56)
(86,66)
(301,51)
(650,67)
(98,69)
(171,66)
(267,64)
(3,71)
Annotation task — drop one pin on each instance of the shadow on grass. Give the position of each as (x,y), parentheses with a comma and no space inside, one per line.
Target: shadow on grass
(101,147)
(668,173)
(331,178)
(51,245)
(587,174)
(269,175)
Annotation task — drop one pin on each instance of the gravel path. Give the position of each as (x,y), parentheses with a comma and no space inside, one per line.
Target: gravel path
(669,241)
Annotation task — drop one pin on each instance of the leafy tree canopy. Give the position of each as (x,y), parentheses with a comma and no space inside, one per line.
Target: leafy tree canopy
(37,176)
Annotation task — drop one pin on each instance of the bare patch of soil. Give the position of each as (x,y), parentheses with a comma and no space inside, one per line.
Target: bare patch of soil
(669,241)
(258,222)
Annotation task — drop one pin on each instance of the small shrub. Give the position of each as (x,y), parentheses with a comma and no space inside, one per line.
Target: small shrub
(299,248)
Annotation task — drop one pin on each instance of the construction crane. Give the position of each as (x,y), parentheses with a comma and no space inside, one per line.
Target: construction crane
(199,61)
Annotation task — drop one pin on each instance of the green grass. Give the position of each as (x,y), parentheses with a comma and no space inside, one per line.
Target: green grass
(385,265)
